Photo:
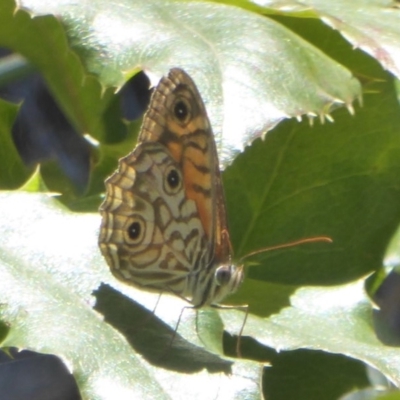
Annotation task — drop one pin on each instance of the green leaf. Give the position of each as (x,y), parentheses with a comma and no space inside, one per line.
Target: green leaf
(283,76)
(371,25)
(338,180)
(35,183)
(3,329)
(12,170)
(312,375)
(43,41)
(46,290)
(390,396)
(336,320)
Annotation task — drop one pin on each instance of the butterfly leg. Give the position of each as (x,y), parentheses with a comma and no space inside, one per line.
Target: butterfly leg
(173,337)
(244,308)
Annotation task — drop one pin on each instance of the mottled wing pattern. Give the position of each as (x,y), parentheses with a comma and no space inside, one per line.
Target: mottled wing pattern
(171,243)
(159,236)
(191,143)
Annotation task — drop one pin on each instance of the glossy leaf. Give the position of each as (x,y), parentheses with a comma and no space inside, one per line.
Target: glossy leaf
(46,297)
(251,71)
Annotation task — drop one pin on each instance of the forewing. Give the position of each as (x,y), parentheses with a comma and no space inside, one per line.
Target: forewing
(192,145)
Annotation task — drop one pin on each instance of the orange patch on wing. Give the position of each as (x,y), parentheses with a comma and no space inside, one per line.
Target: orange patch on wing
(198,186)
(198,123)
(175,150)
(176,128)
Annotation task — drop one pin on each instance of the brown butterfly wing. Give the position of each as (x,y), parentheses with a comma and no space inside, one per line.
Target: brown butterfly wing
(151,234)
(163,237)
(191,143)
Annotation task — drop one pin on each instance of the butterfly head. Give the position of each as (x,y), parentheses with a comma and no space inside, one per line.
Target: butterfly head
(225,280)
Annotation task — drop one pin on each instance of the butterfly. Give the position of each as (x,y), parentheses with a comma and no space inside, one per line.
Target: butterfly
(164,223)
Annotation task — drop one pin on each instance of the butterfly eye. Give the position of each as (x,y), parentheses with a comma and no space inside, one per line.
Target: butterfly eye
(223,275)
(173,180)
(135,231)
(182,110)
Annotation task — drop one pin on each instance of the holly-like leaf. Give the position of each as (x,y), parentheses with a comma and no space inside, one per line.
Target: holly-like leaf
(336,319)
(49,266)
(251,71)
(373,25)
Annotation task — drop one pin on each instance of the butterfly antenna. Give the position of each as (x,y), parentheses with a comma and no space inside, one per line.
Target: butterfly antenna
(290,244)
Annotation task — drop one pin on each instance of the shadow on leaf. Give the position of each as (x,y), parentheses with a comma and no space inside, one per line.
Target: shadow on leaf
(152,338)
